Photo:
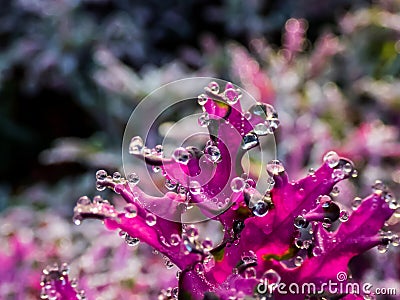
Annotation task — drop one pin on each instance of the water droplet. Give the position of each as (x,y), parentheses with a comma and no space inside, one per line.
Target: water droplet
(354,174)
(249,141)
(100,187)
(348,168)
(213,87)
(213,154)
(101,175)
(298,261)
(275,167)
(382,248)
(77,219)
(84,201)
(151,219)
(136,145)
(327,223)
(311,172)
(122,234)
(335,191)
(263,110)
(133,178)
(338,174)
(192,232)
(117,176)
(344,216)
(204,119)
(395,239)
(356,203)
(202,99)
(260,209)
(131,241)
(331,159)
(175,239)
(169,264)
(181,155)
(131,211)
(232,96)
(238,184)
(262,129)
(195,187)
(170,184)
(272,277)
(158,150)
(250,273)
(300,222)
(317,251)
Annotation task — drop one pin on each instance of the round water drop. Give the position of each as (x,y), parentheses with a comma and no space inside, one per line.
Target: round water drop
(77,219)
(262,129)
(249,141)
(354,174)
(317,251)
(136,145)
(250,273)
(213,154)
(170,184)
(335,191)
(175,239)
(156,169)
(344,216)
(181,155)
(214,87)
(395,240)
(169,264)
(331,159)
(311,172)
(202,99)
(151,219)
(272,277)
(131,241)
(133,178)
(84,201)
(263,110)
(117,176)
(260,209)
(356,203)
(275,167)
(327,223)
(204,119)
(298,261)
(300,222)
(158,150)
(195,187)
(382,248)
(348,168)
(238,184)
(131,211)
(100,187)
(101,175)
(338,174)
(232,96)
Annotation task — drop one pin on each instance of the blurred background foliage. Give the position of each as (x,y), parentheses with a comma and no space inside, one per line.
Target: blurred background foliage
(72,71)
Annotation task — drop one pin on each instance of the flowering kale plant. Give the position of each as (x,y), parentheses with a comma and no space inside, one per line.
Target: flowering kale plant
(275,231)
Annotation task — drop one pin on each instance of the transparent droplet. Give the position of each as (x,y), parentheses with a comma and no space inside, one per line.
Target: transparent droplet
(77,219)
(250,273)
(181,155)
(136,145)
(175,239)
(213,154)
(272,277)
(202,99)
(311,172)
(116,176)
(263,110)
(338,174)
(354,174)
(170,184)
(300,222)
(101,175)
(382,248)
(275,167)
(260,209)
(344,216)
(131,210)
(100,187)
(195,187)
(331,159)
(84,201)
(133,178)
(204,119)
(131,241)
(262,129)
(317,251)
(214,87)
(151,219)
(298,261)
(192,232)
(232,96)
(238,184)
(348,168)
(249,141)
(356,203)
(327,223)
